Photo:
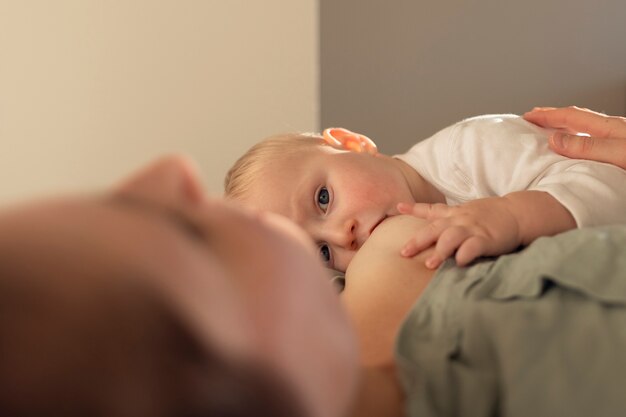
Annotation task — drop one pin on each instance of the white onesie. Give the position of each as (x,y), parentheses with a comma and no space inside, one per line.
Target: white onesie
(493,155)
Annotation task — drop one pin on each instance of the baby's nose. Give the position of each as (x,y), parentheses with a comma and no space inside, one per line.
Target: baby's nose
(346,235)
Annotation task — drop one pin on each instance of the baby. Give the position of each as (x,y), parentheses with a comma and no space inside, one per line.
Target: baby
(487,185)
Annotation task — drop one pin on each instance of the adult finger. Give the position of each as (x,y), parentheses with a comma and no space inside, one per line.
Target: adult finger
(610,150)
(576,119)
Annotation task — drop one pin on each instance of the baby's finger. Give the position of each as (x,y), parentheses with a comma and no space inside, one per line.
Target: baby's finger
(471,249)
(425,210)
(405,208)
(449,241)
(433,262)
(425,238)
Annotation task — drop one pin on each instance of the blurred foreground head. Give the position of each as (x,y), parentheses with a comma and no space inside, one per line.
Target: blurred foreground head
(152,300)
(96,345)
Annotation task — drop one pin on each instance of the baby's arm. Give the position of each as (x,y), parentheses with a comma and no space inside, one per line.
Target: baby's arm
(485,227)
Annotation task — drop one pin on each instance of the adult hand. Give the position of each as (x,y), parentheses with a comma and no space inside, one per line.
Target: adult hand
(607,140)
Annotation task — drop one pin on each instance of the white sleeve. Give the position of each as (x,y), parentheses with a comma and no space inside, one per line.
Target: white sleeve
(594,193)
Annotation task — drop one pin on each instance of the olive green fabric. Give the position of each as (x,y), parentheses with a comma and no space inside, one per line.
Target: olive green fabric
(538,333)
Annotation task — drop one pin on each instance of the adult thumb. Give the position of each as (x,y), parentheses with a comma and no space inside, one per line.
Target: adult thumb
(608,150)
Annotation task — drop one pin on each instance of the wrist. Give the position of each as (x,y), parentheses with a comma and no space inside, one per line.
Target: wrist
(538,213)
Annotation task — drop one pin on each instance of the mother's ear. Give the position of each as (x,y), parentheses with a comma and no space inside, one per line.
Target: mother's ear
(171,180)
(340,138)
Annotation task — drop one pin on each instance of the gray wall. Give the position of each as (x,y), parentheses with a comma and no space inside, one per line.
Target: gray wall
(399,70)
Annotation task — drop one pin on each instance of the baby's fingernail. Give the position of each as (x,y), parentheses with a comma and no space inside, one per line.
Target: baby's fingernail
(431,263)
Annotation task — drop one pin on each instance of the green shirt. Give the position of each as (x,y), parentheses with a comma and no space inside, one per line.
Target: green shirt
(538,333)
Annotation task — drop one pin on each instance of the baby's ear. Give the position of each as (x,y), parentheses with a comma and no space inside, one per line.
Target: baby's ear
(344,139)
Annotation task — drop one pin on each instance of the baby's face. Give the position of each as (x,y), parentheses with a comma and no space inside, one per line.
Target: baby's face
(338,197)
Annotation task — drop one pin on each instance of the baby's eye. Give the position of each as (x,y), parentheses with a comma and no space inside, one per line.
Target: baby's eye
(323,198)
(325,254)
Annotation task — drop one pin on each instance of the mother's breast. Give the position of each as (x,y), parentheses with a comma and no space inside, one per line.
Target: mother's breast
(381,286)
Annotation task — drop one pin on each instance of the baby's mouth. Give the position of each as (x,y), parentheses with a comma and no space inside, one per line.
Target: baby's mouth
(377,224)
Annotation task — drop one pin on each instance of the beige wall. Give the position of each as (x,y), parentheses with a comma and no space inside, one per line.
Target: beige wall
(89,89)
(400,70)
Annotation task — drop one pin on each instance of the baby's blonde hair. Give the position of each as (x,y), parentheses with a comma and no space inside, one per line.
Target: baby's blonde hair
(240,177)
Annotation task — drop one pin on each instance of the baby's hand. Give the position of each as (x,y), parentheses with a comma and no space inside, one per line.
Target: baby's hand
(480,227)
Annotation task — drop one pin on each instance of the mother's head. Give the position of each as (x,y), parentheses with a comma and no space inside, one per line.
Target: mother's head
(153,300)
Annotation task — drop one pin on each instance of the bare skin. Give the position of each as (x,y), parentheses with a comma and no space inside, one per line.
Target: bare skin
(381,287)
